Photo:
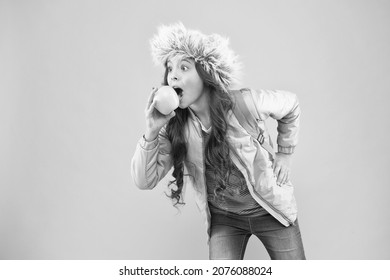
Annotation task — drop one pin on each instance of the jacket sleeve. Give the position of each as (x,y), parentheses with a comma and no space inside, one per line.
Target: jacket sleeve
(282,106)
(151,161)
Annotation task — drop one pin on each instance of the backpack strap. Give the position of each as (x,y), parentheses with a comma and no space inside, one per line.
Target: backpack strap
(248,121)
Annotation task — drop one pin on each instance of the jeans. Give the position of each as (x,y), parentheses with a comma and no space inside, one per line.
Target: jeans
(230,234)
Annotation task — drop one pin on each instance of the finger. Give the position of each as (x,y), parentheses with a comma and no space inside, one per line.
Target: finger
(284,178)
(282,174)
(281,177)
(276,170)
(151,108)
(151,97)
(287,178)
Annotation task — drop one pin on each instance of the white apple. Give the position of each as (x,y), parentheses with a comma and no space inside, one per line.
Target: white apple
(166,100)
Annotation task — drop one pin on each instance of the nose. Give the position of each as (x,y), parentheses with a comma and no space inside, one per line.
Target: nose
(172,80)
(173,75)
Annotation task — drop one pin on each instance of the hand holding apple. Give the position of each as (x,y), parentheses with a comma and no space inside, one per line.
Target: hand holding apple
(154,119)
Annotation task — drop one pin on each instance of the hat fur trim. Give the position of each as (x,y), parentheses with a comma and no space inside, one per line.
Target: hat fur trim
(210,51)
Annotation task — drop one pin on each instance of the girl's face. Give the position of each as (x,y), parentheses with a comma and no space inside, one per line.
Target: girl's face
(183,77)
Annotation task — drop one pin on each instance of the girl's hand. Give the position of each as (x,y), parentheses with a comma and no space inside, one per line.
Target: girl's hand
(154,119)
(282,168)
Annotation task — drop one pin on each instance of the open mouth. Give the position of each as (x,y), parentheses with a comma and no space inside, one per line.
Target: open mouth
(179,91)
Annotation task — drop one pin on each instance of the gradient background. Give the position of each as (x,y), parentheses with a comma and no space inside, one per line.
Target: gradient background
(74,81)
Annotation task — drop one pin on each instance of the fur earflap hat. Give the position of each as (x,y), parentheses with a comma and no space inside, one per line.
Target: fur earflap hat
(212,52)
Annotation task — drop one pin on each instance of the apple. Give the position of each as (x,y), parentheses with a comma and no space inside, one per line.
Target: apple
(166,100)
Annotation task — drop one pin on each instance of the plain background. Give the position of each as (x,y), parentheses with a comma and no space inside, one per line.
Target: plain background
(74,81)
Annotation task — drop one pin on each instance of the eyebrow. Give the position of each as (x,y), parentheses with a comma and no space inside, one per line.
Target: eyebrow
(186,59)
(181,60)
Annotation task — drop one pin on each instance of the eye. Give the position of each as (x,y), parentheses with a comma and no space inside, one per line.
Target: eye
(169,69)
(184,68)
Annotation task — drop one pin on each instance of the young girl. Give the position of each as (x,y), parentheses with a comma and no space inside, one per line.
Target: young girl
(239,189)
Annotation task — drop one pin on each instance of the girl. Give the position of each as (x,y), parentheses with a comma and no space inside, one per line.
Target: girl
(239,189)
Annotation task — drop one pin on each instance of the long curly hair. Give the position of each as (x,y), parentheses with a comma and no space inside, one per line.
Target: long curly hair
(217,148)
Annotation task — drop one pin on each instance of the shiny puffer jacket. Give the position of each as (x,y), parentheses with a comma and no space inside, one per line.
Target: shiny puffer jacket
(152,160)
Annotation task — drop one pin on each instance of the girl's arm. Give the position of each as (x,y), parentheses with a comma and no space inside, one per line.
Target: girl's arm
(152,159)
(282,106)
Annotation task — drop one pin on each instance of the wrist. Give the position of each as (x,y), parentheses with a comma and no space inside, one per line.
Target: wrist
(150,136)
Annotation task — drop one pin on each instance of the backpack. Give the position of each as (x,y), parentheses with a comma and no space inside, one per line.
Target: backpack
(247,119)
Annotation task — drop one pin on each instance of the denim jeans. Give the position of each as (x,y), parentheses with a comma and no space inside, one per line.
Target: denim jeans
(230,234)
